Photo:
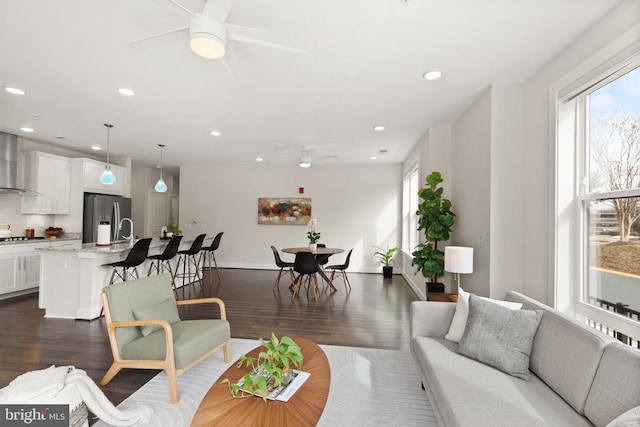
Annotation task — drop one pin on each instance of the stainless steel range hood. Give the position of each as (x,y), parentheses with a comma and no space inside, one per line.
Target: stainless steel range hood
(9,166)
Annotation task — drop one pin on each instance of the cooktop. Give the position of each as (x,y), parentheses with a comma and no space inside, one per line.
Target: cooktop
(19,238)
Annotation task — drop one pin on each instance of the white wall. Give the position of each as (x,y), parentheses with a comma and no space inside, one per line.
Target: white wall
(471,199)
(356,207)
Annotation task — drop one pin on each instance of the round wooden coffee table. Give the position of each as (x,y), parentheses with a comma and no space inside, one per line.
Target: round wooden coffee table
(303,409)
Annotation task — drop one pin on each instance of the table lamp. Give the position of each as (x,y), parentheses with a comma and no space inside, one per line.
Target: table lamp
(458,259)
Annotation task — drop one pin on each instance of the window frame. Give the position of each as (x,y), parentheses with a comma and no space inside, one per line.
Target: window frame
(572,127)
(410,187)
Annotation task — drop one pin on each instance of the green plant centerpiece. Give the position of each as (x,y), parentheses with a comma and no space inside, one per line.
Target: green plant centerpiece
(385,256)
(312,235)
(173,228)
(436,219)
(269,370)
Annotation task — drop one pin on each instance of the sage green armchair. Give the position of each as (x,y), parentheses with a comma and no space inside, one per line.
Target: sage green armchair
(146,332)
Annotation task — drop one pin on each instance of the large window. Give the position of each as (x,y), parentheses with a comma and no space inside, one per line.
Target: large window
(410,206)
(608,135)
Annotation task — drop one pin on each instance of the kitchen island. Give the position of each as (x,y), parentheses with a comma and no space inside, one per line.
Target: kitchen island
(72,277)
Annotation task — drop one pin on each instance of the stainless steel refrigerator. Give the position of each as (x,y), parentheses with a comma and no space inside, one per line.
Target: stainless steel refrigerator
(103,208)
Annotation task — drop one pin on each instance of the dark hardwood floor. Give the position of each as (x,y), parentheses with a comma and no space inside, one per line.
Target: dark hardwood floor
(374,314)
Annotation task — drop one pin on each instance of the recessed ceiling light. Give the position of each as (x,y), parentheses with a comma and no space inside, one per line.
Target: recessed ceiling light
(372,157)
(259,159)
(96,147)
(378,128)
(215,133)
(125,91)
(25,129)
(432,75)
(14,90)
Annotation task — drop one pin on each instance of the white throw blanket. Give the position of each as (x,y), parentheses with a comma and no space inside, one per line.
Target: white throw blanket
(68,385)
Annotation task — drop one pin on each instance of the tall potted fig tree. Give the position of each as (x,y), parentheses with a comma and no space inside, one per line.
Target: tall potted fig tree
(436,219)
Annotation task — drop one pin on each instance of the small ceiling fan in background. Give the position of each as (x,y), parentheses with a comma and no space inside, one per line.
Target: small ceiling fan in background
(306,159)
(208,32)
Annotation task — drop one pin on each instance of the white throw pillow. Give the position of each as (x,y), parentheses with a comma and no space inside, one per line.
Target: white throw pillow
(459,321)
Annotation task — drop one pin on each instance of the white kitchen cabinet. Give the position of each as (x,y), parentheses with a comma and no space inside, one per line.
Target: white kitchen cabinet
(92,169)
(20,265)
(8,268)
(19,271)
(49,175)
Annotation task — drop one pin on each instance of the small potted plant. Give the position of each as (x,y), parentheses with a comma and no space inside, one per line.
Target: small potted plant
(312,235)
(272,368)
(385,256)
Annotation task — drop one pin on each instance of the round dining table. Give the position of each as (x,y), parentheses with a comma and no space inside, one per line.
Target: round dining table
(316,252)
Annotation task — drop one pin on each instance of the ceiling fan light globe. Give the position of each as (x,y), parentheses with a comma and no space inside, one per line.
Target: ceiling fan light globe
(305,162)
(207,47)
(207,37)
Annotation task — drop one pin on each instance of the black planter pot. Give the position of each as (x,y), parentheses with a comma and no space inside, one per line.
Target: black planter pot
(435,287)
(387,272)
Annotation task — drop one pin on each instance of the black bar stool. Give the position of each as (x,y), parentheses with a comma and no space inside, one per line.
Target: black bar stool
(207,255)
(187,258)
(136,256)
(161,261)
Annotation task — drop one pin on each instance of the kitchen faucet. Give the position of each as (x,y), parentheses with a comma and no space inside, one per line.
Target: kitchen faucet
(130,237)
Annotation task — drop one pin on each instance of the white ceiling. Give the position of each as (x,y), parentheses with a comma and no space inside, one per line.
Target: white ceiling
(364,68)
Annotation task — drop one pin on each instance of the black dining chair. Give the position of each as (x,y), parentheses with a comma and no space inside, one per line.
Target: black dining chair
(135,257)
(187,258)
(341,268)
(282,264)
(208,256)
(306,266)
(163,260)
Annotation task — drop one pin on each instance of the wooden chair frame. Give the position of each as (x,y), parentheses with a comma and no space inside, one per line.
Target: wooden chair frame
(168,364)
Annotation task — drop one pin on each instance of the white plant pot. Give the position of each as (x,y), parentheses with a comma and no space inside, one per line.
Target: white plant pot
(313,246)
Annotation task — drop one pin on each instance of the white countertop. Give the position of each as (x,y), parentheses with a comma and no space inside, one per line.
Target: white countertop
(114,248)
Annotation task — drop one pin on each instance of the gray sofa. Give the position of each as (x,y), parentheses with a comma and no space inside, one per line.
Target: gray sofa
(581,377)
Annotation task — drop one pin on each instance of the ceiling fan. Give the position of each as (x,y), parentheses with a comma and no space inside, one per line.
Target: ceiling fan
(208,32)
(306,161)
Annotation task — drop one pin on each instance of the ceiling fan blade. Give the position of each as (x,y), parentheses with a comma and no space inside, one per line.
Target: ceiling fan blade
(259,37)
(230,62)
(219,9)
(157,40)
(181,7)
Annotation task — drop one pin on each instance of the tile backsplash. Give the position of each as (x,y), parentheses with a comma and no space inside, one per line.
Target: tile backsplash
(10,205)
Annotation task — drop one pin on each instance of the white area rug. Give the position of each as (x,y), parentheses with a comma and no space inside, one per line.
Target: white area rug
(368,387)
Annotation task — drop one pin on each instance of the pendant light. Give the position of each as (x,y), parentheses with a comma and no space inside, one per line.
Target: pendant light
(107,177)
(161,187)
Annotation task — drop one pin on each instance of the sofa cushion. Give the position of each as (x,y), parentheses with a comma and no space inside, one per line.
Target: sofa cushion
(459,321)
(464,392)
(499,336)
(166,310)
(616,386)
(631,418)
(122,300)
(565,354)
(191,339)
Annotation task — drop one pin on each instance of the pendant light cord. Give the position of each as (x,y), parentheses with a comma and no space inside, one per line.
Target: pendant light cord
(108,126)
(161,147)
